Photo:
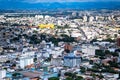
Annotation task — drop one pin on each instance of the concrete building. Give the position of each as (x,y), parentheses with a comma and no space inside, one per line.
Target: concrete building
(91,18)
(89,49)
(67,48)
(2,74)
(56,61)
(72,60)
(26,62)
(118,42)
(85,18)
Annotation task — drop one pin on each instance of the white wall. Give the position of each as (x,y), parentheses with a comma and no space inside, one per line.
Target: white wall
(89,49)
(2,74)
(26,61)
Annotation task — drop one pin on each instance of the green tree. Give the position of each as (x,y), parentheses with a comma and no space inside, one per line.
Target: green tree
(35,59)
(82,70)
(101,76)
(115,54)
(79,78)
(7,61)
(93,75)
(64,35)
(68,74)
(115,35)
(36,32)
(113,64)
(94,40)
(91,61)
(13,65)
(68,78)
(16,74)
(107,52)
(99,53)
(5,68)
(53,78)
(109,40)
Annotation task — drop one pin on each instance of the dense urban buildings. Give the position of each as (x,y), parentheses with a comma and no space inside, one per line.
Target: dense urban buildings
(60,45)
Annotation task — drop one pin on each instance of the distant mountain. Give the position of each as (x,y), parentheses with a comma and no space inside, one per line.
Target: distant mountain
(69,5)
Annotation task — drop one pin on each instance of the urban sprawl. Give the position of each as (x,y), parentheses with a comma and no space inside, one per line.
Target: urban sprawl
(60,45)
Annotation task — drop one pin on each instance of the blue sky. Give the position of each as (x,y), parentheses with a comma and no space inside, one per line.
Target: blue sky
(36,4)
(38,1)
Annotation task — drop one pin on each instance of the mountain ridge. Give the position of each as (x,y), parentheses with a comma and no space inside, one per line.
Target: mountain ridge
(57,5)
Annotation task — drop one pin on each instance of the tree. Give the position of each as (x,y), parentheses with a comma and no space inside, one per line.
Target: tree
(15,39)
(64,35)
(7,61)
(82,70)
(114,54)
(13,65)
(16,74)
(53,78)
(99,53)
(36,32)
(59,27)
(113,64)
(107,52)
(48,59)
(93,75)
(91,61)
(34,39)
(94,40)
(79,78)
(109,40)
(5,68)
(35,59)
(68,74)
(101,76)
(68,78)
(115,35)
(2,53)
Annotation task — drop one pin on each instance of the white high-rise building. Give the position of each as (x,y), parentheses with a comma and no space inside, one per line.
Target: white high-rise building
(72,60)
(2,74)
(46,17)
(89,49)
(84,18)
(91,18)
(39,16)
(96,18)
(59,22)
(26,61)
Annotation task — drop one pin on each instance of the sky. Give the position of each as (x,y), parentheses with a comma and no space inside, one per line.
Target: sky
(39,1)
(28,4)
(67,0)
